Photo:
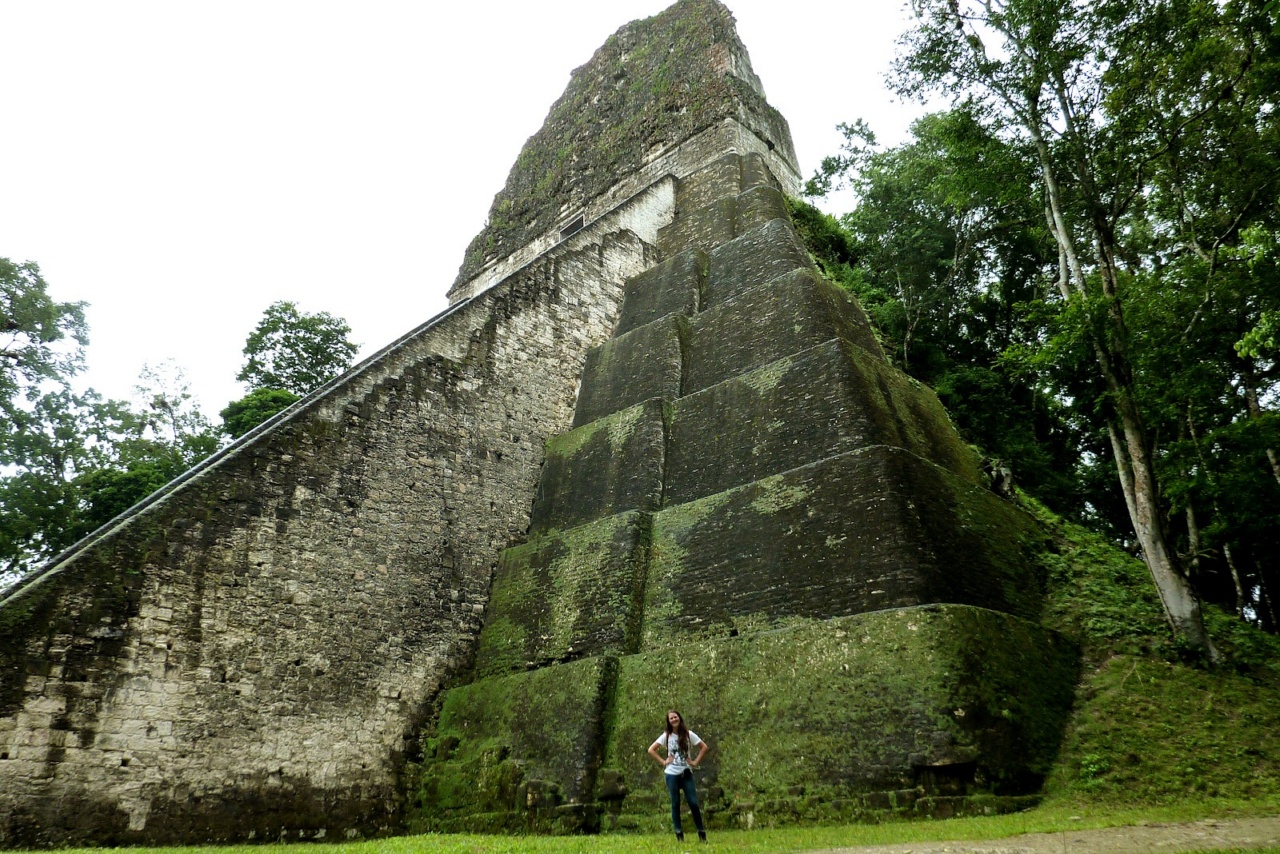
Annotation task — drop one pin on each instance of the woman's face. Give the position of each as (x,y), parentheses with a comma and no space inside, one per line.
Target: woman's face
(673,718)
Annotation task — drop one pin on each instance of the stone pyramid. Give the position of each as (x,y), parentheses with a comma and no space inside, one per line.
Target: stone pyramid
(648,457)
(757,520)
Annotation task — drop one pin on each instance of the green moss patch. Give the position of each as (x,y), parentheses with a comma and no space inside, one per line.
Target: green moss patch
(610,466)
(643,364)
(829,399)
(868,530)
(943,700)
(1159,732)
(514,752)
(566,595)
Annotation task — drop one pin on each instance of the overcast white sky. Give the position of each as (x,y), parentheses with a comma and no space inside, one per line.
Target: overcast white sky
(181,165)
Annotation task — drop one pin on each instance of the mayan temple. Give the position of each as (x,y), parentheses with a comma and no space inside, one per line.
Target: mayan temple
(648,458)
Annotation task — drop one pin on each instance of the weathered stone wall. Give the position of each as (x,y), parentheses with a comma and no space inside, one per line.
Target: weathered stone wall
(248,655)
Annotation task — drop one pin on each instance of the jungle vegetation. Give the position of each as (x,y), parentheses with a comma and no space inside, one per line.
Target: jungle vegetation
(1080,253)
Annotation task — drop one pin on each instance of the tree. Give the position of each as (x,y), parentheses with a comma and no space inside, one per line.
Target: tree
(296,351)
(946,245)
(257,406)
(41,341)
(1153,136)
(69,460)
(50,434)
(170,416)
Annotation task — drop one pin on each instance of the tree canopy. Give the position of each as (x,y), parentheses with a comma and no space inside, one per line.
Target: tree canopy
(295,350)
(1089,233)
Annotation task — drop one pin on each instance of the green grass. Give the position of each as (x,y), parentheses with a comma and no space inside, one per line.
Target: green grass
(1048,819)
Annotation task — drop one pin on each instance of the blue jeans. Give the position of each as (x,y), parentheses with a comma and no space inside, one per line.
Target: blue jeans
(674,786)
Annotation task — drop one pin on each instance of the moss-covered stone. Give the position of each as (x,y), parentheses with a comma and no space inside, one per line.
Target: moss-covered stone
(566,595)
(610,466)
(515,753)
(753,258)
(654,83)
(641,364)
(672,287)
(725,218)
(867,530)
(792,313)
(824,401)
(933,701)
(705,228)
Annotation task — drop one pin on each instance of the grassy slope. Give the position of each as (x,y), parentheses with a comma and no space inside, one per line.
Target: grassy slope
(1149,729)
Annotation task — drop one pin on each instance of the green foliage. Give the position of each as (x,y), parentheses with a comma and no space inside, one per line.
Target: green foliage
(1085,246)
(69,460)
(41,340)
(1098,593)
(1148,728)
(994,402)
(241,416)
(296,351)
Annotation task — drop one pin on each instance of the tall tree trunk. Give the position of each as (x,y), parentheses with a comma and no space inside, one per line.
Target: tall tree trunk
(1241,596)
(1181,607)
(1128,438)
(1255,411)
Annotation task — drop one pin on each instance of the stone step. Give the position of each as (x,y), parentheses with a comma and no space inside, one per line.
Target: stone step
(612,465)
(565,595)
(923,701)
(863,531)
(759,255)
(727,177)
(631,368)
(672,287)
(722,220)
(818,403)
(791,313)
(515,753)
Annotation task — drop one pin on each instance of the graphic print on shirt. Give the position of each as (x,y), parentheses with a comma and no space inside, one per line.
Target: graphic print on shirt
(671,741)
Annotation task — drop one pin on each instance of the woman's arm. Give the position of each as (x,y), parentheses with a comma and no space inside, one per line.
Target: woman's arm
(653,751)
(702,751)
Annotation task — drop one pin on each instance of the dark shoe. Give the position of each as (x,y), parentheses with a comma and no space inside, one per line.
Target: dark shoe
(679,836)
(702,836)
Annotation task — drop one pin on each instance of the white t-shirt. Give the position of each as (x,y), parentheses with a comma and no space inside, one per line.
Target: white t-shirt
(671,743)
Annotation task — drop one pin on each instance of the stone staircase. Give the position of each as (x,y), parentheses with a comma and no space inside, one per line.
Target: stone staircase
(759,521)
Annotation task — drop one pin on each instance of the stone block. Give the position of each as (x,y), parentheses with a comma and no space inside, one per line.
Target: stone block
(565,595)
(632,368)
(672,287)
(706,227)
(760,255)
(818,403)
(792,313)
(610,466)
(867,530)
(849,706)
(757,206)
(755,172)
(721,180)
(536,733)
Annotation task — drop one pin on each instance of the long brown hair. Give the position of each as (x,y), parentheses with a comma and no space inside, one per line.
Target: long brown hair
(682,732)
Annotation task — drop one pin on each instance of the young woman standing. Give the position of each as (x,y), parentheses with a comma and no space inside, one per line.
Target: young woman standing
(677,741)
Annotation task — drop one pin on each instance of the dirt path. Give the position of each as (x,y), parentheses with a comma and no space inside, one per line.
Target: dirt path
(1209,835)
